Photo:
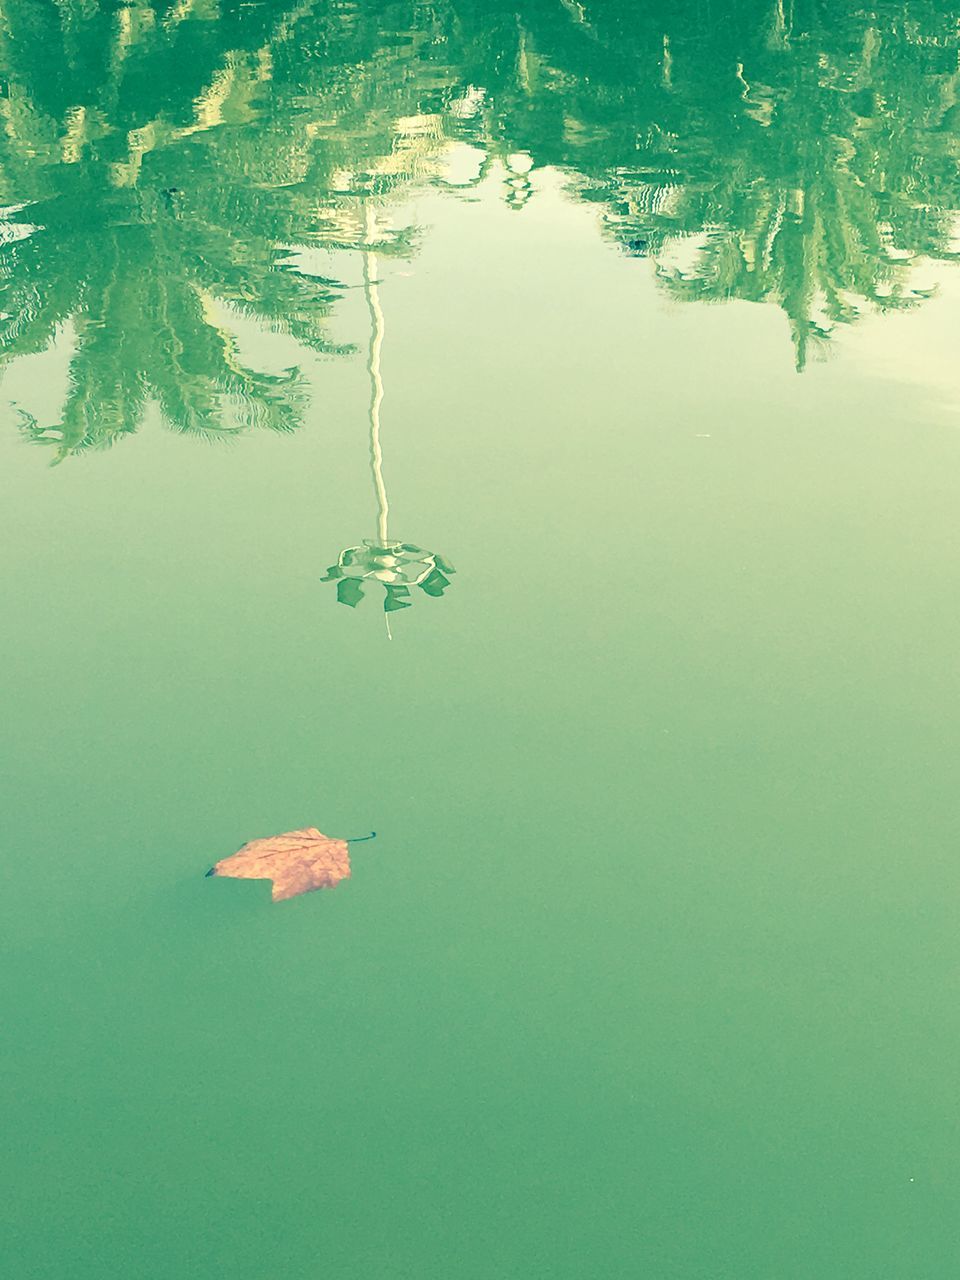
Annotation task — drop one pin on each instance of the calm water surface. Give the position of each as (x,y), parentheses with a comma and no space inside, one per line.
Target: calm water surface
(349,321)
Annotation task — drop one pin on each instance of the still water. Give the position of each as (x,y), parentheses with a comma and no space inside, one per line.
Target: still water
(531,432)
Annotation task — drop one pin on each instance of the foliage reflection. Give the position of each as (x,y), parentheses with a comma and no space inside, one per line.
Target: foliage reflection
(164,165)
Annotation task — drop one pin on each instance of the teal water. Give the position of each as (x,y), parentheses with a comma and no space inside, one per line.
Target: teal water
(652,968)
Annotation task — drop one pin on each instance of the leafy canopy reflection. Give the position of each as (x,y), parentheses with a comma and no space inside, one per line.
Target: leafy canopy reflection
(162,163)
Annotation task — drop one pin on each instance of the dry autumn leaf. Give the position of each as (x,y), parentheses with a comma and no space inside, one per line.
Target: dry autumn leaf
(296,862)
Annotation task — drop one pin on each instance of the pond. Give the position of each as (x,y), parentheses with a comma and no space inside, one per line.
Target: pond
(529,432)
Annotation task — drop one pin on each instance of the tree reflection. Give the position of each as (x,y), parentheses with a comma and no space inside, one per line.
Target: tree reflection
(840,171)
(796,154)
(161,163)
(147,218)
(383,561)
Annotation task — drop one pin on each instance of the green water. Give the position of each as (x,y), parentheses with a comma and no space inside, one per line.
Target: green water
(652,970)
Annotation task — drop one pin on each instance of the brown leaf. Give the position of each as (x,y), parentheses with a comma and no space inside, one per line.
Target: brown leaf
(296,862)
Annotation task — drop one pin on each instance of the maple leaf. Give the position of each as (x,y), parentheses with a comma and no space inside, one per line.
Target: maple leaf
(297,862)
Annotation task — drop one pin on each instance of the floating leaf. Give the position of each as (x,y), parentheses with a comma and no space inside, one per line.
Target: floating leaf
(297,862)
